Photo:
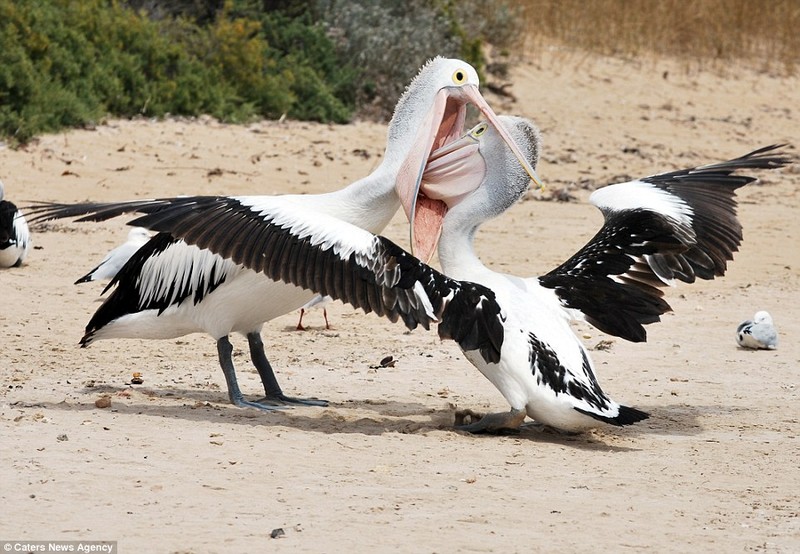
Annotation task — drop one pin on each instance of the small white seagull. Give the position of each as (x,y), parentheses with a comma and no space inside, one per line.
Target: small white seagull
(759,333)
(14,235)
(118,257)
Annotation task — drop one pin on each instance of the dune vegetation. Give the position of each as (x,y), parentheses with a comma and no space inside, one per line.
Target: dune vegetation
(70,64)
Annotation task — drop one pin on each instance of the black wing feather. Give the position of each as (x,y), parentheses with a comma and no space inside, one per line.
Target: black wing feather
(615,279)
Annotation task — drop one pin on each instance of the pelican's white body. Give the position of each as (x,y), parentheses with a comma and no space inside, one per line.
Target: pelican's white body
(527,308)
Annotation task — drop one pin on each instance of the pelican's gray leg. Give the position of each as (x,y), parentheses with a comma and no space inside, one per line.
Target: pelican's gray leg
(272,389)
(490,423)
(225,351)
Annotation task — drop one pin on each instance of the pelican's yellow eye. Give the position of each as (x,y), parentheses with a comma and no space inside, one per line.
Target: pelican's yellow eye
(479,130)
(459,77)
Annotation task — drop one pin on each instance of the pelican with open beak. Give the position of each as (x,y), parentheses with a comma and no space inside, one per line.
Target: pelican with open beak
(424,206)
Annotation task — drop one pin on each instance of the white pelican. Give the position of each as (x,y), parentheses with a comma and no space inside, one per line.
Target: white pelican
(14,235)
(118,257)
(678,225)
(759,333)
(170,289)
(662,228)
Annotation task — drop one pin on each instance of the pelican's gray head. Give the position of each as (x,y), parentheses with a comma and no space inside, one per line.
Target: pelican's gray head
(478,175)
(506,181)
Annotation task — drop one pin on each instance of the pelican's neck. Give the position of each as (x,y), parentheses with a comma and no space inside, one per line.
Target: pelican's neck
(369,203)
(456,250)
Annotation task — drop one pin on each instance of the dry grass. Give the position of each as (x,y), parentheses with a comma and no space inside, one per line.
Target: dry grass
(763,33)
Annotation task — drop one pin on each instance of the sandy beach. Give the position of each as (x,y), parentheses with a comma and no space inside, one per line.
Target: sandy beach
(172,467)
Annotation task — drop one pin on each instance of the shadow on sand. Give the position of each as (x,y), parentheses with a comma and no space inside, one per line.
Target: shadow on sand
(382,417)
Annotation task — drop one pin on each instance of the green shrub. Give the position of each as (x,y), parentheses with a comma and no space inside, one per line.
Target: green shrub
(388,42)
(303,56)
(67,63)
(33,66)
(70,63)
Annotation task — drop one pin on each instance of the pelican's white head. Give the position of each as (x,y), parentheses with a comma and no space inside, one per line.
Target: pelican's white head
(429,116)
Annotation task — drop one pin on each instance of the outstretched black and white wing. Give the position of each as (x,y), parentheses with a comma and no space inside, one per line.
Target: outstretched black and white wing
(680,225)
(317,252)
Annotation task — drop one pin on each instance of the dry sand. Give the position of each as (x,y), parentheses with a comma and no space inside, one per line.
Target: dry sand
(171,466)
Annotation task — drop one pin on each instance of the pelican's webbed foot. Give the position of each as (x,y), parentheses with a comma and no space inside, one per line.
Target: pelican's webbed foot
(498,423)
(262,405)
(225,351)
(280,399)
(273,393)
